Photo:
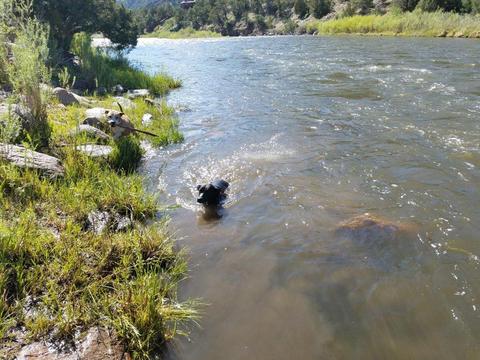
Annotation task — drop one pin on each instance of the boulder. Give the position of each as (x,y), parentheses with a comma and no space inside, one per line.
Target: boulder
(97,344)
(83,85)
(122,223)
(133,94)
(147,119)
(95,150)
(124,102)
(24,114)
(95,122)
(102,221)
(21,157)
(118,90)
(91,131)
(96,112)
(101,91)
(98,221)
(67,98)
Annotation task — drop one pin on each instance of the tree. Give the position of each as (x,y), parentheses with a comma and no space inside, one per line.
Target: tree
(68,17)
(434,5)
(405,5)
(319,8)
(301,8)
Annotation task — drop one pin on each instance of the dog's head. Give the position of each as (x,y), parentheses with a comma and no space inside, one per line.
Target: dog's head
(212,194)
(114,117)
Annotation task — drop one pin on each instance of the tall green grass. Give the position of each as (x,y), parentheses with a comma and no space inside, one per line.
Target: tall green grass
(23,62)
(57,277)
(415,23)
(107,71)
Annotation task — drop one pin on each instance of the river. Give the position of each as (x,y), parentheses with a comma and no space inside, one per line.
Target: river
(311,131)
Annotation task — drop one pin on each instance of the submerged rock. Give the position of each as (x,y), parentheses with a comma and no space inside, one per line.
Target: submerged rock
(21,157)
(95,150)
(69,98)
(369,228)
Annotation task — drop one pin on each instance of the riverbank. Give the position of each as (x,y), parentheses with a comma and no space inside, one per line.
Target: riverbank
(422,24)
(86,256)
(187,33)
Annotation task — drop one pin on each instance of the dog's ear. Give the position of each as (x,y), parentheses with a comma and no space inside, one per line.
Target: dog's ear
(121,114)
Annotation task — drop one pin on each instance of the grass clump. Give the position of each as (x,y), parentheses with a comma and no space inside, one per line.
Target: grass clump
(415,23)
(126,154)
(107,70)
(57,276)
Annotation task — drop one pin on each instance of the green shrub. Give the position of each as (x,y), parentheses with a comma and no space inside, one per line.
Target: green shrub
(300,8)
(97,66)
(27,72)
(126,154)
(319,8)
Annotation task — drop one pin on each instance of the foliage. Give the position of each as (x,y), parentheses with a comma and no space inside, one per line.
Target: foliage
(300,8)
(434,5)
(69,17)
(405,5)
(185,33)
(57,276)
(97,66)
(25,64)
(412,24)
(126,155)
(319,8)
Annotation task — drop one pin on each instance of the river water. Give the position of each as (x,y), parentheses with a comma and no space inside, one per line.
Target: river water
(311,131)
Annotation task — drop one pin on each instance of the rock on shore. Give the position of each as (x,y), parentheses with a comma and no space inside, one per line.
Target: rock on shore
(21,157)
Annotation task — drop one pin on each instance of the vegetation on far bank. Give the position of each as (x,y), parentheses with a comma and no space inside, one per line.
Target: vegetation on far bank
(417,23)
(242,17)
(60,274)
(165,31)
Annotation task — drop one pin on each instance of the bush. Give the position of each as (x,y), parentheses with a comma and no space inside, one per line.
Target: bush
(98,67)
(319,8)
(434,5)
(26,70)
(126,155)
(301,8)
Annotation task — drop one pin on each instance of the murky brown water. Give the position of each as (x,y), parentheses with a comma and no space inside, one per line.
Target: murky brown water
(311,131)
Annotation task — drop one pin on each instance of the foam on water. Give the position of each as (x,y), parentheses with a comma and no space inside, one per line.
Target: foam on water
(244,170)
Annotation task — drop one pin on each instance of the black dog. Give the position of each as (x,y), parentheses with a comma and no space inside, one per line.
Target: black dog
(212,194)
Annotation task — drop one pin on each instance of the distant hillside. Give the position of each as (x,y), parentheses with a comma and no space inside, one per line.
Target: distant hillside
(137,4)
